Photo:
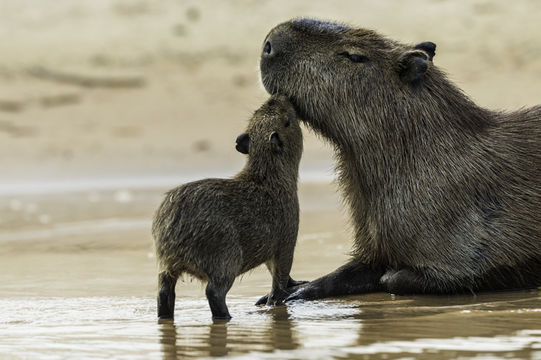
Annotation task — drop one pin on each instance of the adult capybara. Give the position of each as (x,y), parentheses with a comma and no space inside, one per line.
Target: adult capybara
(217,229)
(444,194)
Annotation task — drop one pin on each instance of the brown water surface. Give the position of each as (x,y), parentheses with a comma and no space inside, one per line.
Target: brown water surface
(79,280)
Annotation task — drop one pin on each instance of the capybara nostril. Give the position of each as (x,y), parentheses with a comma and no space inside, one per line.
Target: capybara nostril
(267,49)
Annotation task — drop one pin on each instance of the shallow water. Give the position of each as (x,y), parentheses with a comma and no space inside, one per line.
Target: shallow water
(82,285)
(371,326)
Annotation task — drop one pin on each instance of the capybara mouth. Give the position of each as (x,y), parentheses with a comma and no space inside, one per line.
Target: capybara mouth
(268,82)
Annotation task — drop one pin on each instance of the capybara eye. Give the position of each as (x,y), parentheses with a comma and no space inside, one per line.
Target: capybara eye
(287,123)
(356,58)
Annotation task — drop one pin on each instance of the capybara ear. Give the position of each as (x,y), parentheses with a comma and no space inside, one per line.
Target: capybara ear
(428,47)
(243,143)
(412,66)
(276,143)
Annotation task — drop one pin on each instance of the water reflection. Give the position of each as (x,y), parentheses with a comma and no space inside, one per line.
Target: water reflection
(374,325)
(282,330)
(275,330)
(217,338)
(168,339)
(451,327)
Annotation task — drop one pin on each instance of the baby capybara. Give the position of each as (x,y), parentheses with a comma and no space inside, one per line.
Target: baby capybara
(217,229)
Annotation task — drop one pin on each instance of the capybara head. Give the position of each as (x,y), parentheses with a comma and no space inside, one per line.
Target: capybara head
(273,132)
(330,71)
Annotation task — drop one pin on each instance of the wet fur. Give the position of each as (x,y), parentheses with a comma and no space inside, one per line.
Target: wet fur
(217,229)
(444,195)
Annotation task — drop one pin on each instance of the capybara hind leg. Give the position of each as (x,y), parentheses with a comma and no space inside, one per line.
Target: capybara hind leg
(350,279)
(216,292)
(166,295)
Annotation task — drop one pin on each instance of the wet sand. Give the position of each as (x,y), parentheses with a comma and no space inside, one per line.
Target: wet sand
(83,285)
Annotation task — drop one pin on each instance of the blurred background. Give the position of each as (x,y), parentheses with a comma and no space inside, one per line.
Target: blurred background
(123,88)
(105,104)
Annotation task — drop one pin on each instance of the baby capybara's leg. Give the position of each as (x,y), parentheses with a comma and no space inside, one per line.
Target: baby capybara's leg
(166,295)
(216,291)
(292,286)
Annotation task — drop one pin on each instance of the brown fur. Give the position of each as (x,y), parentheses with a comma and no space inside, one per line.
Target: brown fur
(444,195)
(217,229)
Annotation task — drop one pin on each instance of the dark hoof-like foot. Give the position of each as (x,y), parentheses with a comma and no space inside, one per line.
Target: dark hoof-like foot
(262,300)
(276,300)
(165,320)
(292,286)
(224,318)
(310,291)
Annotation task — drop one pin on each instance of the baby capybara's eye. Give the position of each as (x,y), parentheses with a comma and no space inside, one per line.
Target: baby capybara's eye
(287,123)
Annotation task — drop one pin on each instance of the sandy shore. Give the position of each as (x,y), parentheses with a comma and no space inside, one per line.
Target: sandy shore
(78,278)
(86,289)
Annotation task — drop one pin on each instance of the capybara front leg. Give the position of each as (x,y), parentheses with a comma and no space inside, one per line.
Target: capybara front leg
(166,295)
(280,268)
(216,292)
(350,279)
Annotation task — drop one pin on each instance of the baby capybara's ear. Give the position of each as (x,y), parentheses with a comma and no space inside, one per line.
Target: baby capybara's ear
(412,65)
(276,143)
(243,143)
(428,47)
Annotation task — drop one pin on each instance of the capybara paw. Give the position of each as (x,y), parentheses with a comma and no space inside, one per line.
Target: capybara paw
(222,317)
(277,299)
(306,292)
(262,300)
(271,300)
